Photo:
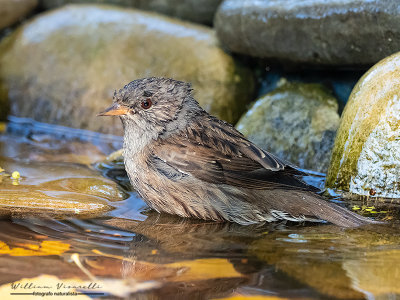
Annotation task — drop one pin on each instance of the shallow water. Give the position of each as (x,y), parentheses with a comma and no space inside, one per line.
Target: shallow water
(126,249)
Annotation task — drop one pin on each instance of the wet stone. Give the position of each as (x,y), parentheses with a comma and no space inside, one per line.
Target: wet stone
(55,189)
(43,176)
(365,159)
(336,32)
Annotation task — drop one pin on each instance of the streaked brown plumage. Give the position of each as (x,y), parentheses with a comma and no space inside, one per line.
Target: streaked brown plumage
(183,161)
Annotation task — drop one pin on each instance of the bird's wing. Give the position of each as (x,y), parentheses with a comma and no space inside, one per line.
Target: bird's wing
(219,154)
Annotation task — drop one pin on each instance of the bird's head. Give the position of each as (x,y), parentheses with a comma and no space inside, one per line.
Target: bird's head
(153,104)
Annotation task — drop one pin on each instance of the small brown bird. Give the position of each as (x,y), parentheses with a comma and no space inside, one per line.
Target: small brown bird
(183,161)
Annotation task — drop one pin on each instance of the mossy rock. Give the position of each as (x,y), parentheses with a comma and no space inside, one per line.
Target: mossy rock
(297,122)
(64,65)
(366,157)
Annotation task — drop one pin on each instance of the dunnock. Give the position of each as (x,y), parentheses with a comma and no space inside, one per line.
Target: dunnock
(183,161)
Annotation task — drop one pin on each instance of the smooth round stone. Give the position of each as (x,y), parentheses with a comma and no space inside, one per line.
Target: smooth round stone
(11,11)
(297,122)
(335,32)
(55,189)
(366,157)
(63,66)
(198,11)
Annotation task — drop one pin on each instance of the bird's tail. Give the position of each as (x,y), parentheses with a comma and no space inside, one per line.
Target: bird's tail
(333,213)
(308,206)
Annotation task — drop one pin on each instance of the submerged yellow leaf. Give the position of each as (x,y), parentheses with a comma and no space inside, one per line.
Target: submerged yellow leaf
(204,269)
(45,248)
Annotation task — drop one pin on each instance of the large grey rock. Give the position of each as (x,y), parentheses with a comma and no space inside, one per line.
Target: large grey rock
(366,157)
(297,122)
(336,32)
(11,11)
(63,66)
(198,11)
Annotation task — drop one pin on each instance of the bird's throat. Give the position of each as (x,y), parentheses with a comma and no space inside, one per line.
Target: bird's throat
(137,136)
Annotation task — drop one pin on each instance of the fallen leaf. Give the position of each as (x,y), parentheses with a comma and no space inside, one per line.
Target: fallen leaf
(45,248)
(205,269)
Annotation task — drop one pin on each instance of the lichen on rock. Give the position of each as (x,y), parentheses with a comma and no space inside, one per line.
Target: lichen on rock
(365,159)
(378,167)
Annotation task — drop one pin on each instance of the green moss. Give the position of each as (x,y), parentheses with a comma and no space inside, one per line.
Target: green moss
(365,109)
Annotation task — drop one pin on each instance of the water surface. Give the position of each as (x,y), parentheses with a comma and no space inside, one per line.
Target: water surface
(127,249)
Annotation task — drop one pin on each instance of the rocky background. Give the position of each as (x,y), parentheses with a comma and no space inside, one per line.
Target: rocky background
(281,70)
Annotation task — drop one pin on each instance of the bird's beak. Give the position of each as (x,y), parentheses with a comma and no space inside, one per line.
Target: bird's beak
(115,110)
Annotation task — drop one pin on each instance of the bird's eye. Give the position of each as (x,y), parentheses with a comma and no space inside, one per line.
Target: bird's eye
(146,104)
